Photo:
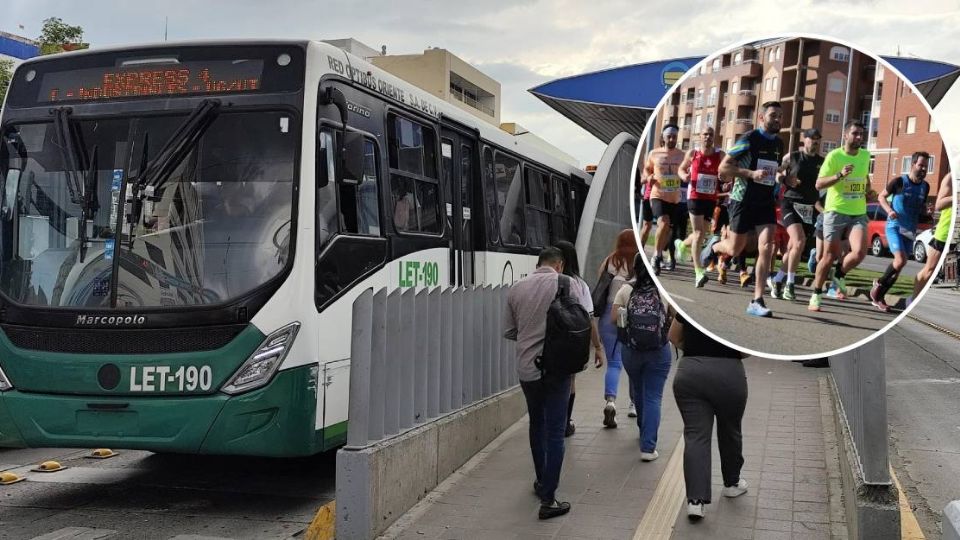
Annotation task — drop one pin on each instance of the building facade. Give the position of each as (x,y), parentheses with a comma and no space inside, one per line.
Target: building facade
(901,124)
(448,77)
(819,84)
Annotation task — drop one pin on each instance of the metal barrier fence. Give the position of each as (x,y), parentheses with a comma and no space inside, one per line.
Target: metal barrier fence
(416,356)
(860,377)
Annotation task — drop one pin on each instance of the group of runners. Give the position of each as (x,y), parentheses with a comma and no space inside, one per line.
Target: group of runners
(756,200)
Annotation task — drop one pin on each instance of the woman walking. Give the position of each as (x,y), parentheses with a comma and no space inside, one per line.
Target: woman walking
(617,269)
(642,316)
(710,383)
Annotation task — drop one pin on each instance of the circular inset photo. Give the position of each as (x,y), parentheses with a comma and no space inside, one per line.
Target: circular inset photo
(795,195)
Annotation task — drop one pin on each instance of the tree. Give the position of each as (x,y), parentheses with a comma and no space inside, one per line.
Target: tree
(57,36)
(6,73)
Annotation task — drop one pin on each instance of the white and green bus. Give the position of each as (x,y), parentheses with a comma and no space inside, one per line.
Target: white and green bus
(184,228)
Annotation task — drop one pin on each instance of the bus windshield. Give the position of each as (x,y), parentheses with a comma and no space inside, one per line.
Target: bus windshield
(215,228)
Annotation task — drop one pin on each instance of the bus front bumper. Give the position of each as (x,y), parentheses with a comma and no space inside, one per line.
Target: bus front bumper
(278,419)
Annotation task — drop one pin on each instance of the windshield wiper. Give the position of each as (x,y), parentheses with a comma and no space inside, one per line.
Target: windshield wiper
(174,151)
(81,179)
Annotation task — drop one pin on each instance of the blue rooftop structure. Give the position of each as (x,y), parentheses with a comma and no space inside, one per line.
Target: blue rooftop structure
(17,47)
(612,101)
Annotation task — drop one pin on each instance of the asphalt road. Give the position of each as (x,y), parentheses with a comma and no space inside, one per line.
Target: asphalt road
(923,407)
(879,264)
(140,495)
(793,330)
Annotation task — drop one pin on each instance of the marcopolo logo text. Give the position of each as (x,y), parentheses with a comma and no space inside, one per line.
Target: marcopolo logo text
(111,320)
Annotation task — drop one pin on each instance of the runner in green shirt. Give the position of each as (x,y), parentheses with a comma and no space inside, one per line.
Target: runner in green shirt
(939,244)
(845,174)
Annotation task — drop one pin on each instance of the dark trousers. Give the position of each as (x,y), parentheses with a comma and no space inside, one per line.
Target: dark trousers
(704,388)
(547,401)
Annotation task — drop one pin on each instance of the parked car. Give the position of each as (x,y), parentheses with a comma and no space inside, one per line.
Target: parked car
(876,231)
(920,246)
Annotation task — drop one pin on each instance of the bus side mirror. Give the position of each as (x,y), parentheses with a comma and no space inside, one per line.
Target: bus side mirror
(351,158)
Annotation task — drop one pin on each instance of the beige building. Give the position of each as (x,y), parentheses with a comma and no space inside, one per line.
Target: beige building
(446,76)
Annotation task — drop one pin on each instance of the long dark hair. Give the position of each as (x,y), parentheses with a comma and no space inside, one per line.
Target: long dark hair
(643,279)
(571,266)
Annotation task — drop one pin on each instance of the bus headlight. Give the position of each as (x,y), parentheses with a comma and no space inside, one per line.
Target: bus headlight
(5,383)
(263,363)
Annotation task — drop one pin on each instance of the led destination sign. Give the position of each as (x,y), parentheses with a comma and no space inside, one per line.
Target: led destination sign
(152,80)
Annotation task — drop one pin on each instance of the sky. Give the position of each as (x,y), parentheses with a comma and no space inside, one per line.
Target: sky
(524,43)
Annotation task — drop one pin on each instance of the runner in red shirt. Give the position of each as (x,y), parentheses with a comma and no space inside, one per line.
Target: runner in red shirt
(699,167)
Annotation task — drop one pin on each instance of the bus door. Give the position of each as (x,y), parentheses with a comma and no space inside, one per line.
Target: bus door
(458,158)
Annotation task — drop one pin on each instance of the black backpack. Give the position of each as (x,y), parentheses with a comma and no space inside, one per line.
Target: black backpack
(566,344)
(646,321)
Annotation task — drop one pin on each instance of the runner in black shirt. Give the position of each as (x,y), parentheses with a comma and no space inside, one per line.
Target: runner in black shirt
(754,160)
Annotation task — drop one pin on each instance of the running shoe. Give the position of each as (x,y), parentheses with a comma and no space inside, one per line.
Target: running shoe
(814,304)
(672,266)
(812,262)
(832,292)
(610,415)
(649,456)
(712,267)
(700,278)
(789,293)
(841,285)
(657,263)
(758,310)
(875,291)
(722,275)
(735,491)
(744,279)
(776,288)
(632,411)
(681,249)
(708,256)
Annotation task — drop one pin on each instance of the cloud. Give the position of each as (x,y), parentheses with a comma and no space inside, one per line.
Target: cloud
(524,43)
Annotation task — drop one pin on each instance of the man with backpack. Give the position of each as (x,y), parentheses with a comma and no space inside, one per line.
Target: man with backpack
(552,330)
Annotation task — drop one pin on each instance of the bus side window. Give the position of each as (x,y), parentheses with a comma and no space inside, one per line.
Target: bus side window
(413,176)
(327,215)
(561,215)
(359,202)
(489,185)
(537,208)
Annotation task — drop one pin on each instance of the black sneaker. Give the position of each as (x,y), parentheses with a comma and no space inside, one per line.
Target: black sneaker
(672,266)
(657,263)
(553,509)
(571,429)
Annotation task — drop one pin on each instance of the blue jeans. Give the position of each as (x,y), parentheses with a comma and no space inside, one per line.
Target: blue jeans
(613,350)
(547,401)
(648,372)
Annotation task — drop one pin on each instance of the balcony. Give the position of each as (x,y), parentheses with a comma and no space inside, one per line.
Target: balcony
(742,125)
(698,103)
(743,98)
(746,68)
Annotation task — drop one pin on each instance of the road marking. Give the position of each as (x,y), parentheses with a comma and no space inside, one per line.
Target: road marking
(323,526)
(661,514)
(76,533)
(909,527)
(684,298)
(935,326)
(949,380)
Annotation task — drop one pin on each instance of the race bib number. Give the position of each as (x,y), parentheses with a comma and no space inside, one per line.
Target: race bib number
(769,168)
(706,184)
(805,211)
(669,183)
(854,188)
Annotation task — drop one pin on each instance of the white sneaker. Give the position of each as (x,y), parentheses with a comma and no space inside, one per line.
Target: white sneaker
(695,510)
(649,456)
(610,415)
(632,413)
(735,491)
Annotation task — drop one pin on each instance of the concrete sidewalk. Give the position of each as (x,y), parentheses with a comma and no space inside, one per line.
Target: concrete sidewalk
(791,467)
